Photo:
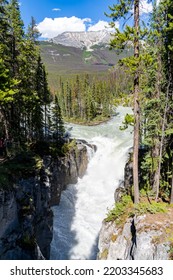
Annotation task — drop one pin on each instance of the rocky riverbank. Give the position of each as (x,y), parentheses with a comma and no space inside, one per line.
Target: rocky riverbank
(25,208)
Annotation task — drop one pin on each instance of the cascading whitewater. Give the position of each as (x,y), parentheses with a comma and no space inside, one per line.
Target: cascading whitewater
(78,218)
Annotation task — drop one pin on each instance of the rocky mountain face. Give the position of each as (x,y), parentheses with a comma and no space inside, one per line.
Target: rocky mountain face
(25,210)
(83,39)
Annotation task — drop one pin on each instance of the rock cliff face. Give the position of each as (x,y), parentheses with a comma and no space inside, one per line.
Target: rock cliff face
(26,217)
(66,170)
(142,237)
(25,212)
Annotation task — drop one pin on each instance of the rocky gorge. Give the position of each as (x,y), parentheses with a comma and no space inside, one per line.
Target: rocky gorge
(26,217)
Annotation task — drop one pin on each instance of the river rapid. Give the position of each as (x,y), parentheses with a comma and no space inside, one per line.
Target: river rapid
(83,206)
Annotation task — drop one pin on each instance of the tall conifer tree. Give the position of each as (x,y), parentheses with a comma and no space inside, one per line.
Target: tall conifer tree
(122,10)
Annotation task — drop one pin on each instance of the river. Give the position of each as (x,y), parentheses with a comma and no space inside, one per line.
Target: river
(83,206)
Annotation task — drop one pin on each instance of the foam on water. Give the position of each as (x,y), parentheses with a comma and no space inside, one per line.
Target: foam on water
(78,218)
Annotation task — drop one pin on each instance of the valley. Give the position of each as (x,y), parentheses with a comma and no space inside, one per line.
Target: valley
(67,61)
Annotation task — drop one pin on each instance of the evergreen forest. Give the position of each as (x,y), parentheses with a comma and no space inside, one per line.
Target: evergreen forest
(89,99)
(25,112)
(31,113)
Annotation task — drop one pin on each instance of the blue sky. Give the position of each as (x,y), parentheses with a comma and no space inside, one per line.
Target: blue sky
(79,8)
(56,16)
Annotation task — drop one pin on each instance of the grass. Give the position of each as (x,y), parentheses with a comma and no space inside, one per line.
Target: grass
(121,210)
(126,209)
(152,208)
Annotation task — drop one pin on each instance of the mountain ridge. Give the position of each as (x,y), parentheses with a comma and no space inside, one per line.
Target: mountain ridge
(82,39)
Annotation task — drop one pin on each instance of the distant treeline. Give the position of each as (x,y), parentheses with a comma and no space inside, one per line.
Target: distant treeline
(87,98)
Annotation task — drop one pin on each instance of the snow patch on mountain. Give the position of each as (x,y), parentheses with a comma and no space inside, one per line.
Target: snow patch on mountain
(83,39)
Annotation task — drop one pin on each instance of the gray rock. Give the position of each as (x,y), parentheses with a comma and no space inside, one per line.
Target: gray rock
(132,242)
(8,212)
(26,217)
(119,192)
(67,170)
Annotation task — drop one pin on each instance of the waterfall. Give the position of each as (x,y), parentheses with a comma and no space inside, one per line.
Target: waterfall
(79,216)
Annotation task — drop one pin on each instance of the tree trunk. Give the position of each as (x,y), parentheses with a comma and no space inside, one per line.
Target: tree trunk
(162,136)
(171,199)
(136,105)
(157,147)
(5,124)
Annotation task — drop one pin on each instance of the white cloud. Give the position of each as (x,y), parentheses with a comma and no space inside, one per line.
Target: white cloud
(145,7)
(100,25)
(52,27)
(56,9)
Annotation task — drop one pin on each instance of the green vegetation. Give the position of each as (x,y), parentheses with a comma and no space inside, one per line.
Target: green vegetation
(85,99)
(151,70)
(152,208)
(29,162)
(29,115)
(22,165)
(68,62)
(126,209)
(27,242)
(121,210)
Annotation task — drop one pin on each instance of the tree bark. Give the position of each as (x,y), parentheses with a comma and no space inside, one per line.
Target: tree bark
(163,135)
(157,147)
(136,105)
(171,199)
(5,124)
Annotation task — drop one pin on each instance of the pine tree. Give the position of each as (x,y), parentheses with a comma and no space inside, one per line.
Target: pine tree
(42,100)
(24,91)
(167,7)
(157,107)
(7,93)
(8,87)
(57,123)
(119,42)
(33,32)
(16,41)
(16,33)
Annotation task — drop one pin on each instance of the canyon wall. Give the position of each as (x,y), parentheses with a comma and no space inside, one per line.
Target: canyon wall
(26,217)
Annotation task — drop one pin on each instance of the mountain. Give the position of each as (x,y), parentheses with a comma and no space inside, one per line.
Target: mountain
(83,39)
(74,53)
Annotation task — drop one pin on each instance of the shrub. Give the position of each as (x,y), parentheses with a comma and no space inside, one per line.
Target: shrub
(125,209)
(120,210)
(152,208)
